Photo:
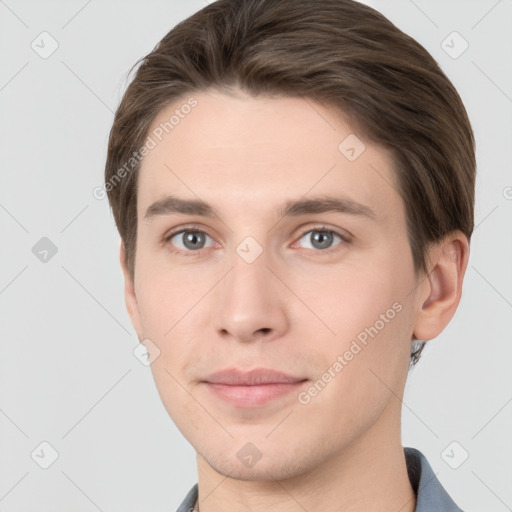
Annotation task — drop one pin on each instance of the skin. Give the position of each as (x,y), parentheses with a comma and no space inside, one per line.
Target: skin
(294,309)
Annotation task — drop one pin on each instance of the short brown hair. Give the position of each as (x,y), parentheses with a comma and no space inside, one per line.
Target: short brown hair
(341,53)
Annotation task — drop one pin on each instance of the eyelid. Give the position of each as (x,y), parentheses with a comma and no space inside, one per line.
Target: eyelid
(342,233)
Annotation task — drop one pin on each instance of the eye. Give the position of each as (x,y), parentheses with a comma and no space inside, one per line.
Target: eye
(322,238)
(188,241)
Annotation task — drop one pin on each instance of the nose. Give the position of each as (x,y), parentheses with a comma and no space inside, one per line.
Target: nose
(251,302)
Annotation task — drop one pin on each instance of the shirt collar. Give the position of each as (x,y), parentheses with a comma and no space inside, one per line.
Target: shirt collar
(430,494)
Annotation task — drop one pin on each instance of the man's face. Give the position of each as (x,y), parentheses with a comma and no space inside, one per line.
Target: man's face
(251,288)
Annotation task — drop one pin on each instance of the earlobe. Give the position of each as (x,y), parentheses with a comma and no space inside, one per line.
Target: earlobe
(130,297)
(441,291)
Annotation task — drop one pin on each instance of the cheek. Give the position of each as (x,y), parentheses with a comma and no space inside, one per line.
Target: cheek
(370,316)
(351,298)
(164,296)
(169,306)
(365,364)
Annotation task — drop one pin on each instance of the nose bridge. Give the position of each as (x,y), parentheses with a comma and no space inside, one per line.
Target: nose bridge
(248,303)
(248,282)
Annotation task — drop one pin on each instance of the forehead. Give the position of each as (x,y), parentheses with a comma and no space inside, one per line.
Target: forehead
(254,152)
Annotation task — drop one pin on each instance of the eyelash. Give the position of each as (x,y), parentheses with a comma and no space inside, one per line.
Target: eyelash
(195,229)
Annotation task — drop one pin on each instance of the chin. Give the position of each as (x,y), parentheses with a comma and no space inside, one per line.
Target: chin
(271,464)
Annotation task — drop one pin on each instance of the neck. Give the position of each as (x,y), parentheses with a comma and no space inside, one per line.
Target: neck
(369,474)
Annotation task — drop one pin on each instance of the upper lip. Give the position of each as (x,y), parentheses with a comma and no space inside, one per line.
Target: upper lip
(235,377)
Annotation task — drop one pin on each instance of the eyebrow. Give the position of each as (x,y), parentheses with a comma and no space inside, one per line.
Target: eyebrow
(319,204)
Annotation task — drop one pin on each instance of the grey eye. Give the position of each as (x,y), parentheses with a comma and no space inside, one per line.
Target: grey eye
(190,240)
(320,239)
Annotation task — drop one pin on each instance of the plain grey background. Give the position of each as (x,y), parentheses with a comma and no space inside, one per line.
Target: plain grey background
(68,376)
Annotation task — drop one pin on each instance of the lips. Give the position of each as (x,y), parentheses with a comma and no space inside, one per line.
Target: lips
(256,377)
(254,389)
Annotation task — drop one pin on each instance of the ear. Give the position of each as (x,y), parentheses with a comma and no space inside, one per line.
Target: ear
(441,289)
(129,295)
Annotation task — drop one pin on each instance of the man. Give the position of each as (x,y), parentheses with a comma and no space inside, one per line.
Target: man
(293,183)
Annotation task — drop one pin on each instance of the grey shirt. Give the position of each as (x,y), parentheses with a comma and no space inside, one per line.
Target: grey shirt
(430,494)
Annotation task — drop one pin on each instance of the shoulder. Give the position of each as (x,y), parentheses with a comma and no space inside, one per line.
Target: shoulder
(187,505)
(430,494)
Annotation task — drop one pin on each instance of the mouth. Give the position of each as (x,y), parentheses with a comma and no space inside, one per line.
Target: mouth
(255,388)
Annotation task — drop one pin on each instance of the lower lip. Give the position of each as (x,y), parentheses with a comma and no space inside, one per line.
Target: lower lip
(253,396)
